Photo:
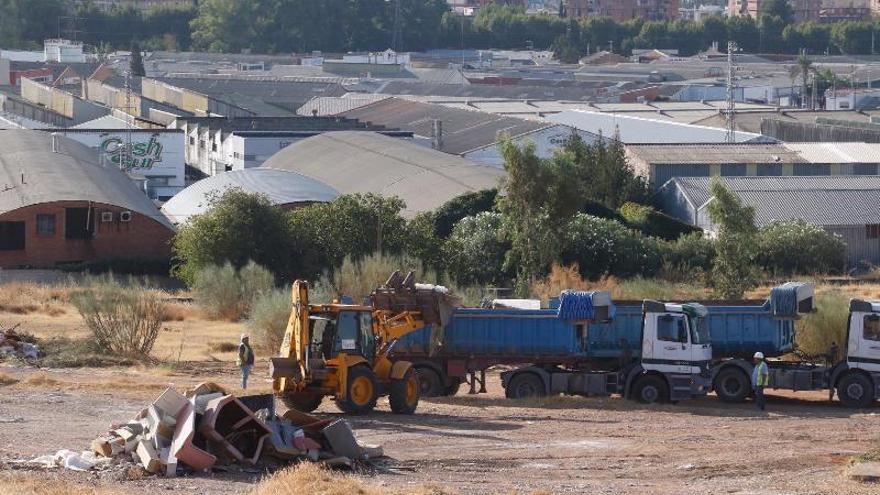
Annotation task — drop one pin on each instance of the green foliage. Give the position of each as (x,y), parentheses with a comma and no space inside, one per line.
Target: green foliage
(475,251)
(604,247)
(124,319)
(565,50)
(690,252)
(136,64)
(357,277)
(227,293)
(653,223)
(599,172)
(789,247)
(422,241)
(465,205)
(734,268)
(777,8)
(268,320)
(239,227)
(818,331)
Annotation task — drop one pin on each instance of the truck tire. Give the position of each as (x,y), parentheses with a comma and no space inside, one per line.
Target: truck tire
(525,386)
(452,389)
(302,402)
(650,389)
(430,383)
(404,393)
(732,385)
(361,390)
(855,390)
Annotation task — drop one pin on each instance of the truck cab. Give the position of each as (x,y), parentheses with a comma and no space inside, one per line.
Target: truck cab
(857,377)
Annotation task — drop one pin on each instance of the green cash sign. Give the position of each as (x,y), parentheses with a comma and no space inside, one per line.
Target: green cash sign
(143,155)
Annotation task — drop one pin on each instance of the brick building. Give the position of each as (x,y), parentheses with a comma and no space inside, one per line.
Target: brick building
(59,206)
(623,10)
(804,10)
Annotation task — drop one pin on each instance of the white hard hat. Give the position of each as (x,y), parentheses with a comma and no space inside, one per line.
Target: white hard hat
(759,355)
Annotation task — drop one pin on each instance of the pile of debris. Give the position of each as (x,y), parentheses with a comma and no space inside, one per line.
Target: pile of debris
(208,428)
(19,345)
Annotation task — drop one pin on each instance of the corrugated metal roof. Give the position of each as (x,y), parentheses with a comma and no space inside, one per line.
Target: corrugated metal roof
(362,162)
(837,152)
(716,153)
(334,105)
(71,174)
(829,200)
(634,129)
(463,130)
(281,186)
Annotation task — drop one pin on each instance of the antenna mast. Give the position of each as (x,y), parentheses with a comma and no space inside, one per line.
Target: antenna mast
(395,35)
(731,93)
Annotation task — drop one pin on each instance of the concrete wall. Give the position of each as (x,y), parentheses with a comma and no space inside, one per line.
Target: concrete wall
(61,102)
(141,238)
(33,112)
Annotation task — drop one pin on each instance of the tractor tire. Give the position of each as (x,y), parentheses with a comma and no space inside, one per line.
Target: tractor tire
(404,393)
(650,389)
(302,402)
(430,383)
(732,385)
(361,391)
(855,390)
(525,386)
(452,389)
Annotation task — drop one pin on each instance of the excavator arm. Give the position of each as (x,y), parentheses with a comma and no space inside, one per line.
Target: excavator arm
(291,365)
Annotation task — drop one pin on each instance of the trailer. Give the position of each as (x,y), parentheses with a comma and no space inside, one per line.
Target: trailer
(660,352)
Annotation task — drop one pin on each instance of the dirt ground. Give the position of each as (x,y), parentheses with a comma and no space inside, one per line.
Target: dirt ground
(485,443)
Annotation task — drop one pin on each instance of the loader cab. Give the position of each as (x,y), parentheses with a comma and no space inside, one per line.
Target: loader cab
(675,338)
(348,331)
(863,335)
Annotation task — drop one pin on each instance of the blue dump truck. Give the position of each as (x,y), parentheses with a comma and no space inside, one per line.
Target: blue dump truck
(656,352)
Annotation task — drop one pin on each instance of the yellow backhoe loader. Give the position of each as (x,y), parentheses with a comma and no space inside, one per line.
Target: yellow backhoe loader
(341,350)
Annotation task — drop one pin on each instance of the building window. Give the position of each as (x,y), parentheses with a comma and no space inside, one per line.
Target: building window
(192,141)
(733,169)
(872,231)
(769,169)
(79,223)
(811,169)
(45,224)
(213,146)
(871,330)
(864,169)
(11,236)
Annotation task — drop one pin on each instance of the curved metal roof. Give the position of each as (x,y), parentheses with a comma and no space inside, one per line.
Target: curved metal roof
(281,186)
(369,162)
(70,173)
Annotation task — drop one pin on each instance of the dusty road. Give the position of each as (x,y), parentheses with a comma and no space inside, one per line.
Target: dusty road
(487,444)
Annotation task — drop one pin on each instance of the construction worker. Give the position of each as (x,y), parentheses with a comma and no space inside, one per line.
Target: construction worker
(760,379)
(245,359)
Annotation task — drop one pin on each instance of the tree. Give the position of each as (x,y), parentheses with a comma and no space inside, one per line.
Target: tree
(803,68)
(237,228)
(136,64)
(733,270)
(475,251)
(468,204)
(565,50)
(601,173)
(777,8)
(794,247)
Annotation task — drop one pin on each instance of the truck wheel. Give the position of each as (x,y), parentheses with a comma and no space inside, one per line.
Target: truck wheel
(452,389)
(650,389)
(732,385)
(360,397)
(855,390)
(430,384)
(525,386)
(404,393)
(302,402)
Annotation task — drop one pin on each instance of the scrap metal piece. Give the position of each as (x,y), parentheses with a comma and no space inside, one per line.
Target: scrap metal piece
(235,428)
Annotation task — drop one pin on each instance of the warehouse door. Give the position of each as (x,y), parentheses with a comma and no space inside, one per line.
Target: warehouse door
(11,236)
(79,223)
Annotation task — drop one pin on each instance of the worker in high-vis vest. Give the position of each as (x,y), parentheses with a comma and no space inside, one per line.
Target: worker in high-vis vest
(760,379)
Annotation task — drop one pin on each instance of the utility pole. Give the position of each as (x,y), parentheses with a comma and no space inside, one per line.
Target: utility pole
(731,93)
(395,34)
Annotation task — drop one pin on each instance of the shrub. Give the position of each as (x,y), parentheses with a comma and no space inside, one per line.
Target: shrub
(604,247)
(796,247)
(268,320)
(466,205)
(124,319)
(227,293)
(357,278)
(475,250)
(816,332)
(654,223)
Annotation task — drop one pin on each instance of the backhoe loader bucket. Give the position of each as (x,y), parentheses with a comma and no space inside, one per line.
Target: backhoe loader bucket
(399,294)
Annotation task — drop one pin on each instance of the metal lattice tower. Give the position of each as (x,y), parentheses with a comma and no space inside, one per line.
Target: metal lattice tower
(731,93)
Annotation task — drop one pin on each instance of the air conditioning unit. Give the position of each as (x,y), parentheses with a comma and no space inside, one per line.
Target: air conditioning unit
(106,216)
(125,216)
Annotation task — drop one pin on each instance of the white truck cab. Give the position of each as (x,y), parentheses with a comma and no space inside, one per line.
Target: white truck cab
(857,377)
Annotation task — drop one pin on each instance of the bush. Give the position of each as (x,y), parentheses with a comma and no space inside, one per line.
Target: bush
(466,205)
(227,293)
(653,223)
(268,320)
(816,332)
(475,250)
(124,319)
(795,247)
(135,266)
(604,247)
(356,278)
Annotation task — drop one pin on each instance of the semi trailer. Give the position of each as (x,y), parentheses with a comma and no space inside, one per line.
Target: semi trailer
(659,352)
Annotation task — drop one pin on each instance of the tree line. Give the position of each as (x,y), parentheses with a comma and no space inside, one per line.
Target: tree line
(284,26)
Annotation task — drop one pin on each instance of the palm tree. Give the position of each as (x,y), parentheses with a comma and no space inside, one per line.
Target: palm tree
(803,68)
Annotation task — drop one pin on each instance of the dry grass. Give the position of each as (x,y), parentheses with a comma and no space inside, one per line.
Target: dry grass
(311,479)
(7,380)
(25,298)
(568,277)
(41,379)
(19,484)
(177,311)
(222,347)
